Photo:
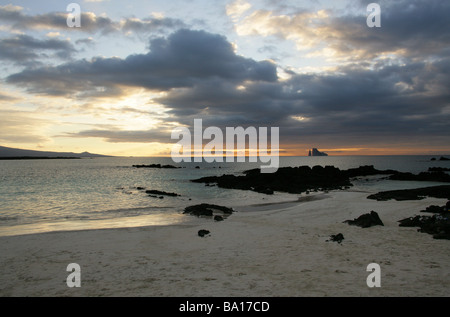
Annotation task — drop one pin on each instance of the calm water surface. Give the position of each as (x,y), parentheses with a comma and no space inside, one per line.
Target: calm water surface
(48,195)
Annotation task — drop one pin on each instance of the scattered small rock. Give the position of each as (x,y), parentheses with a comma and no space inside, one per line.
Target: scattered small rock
(218,218)
(336,238)
(202,233)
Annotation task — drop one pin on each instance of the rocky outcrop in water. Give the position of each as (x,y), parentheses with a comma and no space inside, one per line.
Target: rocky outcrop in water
(286,179)
(442,158)
(316,152)
(155,166)
(159,192)
(293,180)
(438,169)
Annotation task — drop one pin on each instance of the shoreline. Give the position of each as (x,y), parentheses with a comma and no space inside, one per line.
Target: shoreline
(277,252)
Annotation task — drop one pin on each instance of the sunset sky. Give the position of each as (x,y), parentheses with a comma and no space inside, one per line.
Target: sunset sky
(135,70)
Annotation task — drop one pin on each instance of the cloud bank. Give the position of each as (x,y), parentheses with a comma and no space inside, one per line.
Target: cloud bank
(389,86)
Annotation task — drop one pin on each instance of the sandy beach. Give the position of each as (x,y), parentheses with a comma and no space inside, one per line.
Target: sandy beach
(267,251)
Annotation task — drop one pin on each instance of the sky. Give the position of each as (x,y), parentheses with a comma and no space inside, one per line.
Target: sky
(136,70)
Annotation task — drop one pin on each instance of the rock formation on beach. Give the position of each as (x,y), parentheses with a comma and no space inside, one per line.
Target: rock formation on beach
(203,233)
(336,238)
(442,191)
(437,225)
(208,210)
(366,220)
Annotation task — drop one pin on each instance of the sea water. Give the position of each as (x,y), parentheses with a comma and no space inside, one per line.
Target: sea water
(72,194)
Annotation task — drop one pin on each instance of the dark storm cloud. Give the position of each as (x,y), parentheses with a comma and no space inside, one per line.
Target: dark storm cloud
(24,48)
(415,27)
(402,98)
(395,101)
(90,22)
(221,103)
(182,60)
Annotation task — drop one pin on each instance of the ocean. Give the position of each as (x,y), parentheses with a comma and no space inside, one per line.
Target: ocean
(53,195)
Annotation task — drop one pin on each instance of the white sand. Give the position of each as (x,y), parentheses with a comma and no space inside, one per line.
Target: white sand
(279,252)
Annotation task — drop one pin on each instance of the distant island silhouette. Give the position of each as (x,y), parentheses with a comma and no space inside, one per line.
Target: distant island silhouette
(7,153)
(316,152)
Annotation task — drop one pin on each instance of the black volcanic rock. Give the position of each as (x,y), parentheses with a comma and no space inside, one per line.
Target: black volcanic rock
(336,238)
(202,233)
(286,179)
(366,220)
(415,221)
(437,225)
(434,209)
(442,191)
(158,192)
(155,166)
(207,210)
(435,176)
(438,169)
(300,179)
(293,180)
(366,170)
